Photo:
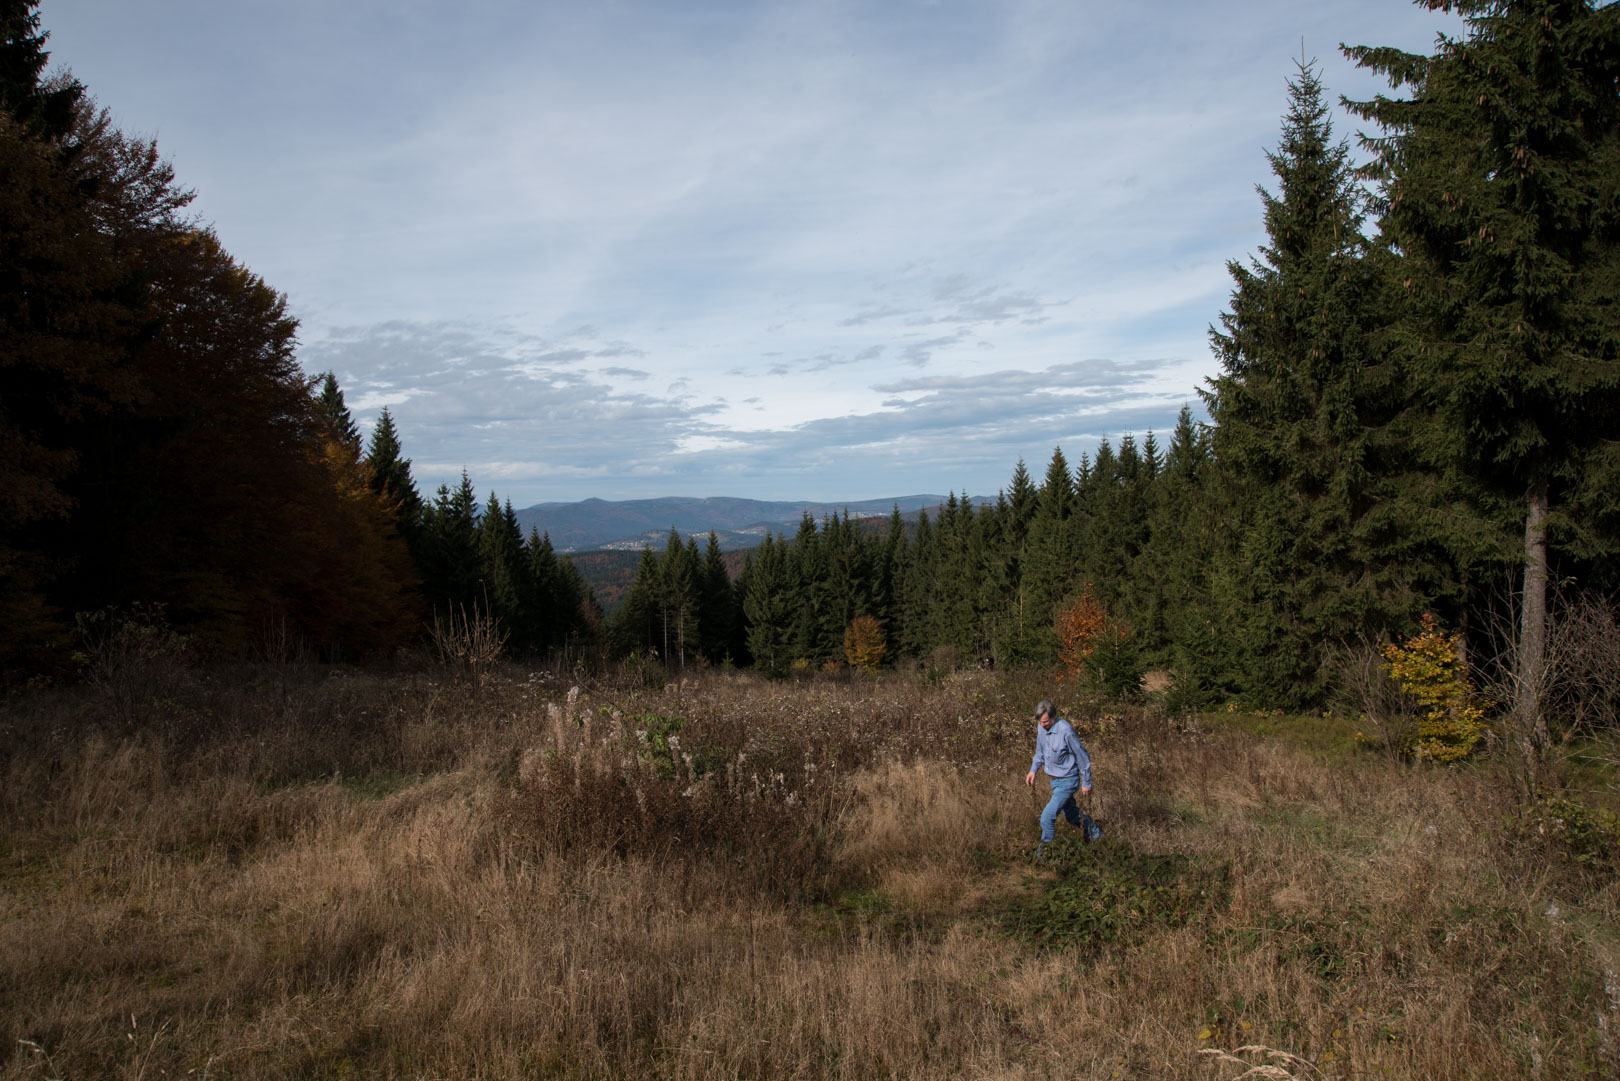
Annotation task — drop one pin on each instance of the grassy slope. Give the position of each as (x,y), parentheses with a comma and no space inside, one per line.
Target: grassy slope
(347,875)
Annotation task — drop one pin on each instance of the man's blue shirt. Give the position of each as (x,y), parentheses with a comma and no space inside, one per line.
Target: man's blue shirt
(1059,750)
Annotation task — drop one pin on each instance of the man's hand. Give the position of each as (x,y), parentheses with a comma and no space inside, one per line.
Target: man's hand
(1085,791)
(1029,779)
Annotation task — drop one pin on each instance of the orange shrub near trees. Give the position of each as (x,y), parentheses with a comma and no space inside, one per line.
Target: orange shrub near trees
(864,646)
(1079,625)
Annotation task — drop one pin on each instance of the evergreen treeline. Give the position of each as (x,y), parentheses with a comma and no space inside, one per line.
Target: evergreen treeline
(1419,401)
(157,441)
(1418,407)
(159,445)
(983,582)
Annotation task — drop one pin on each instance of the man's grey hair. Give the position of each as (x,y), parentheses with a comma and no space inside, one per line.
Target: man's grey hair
(1043,707)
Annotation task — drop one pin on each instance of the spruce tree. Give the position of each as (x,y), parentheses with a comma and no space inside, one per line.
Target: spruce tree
(806,591)
(1183,527)
(548,604)
(1302,412)
(339,420)
(450,565)
(1120,537)
(717,604)
(503,573)
(681,599)
(43,112)
(768,606)
(888,560)
(956,617)
(1012,641)
(391,478)
(1051,557)
(916,594)
(1498,185)
(638,625)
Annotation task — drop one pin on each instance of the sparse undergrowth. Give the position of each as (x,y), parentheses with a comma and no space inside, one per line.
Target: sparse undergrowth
(294,872)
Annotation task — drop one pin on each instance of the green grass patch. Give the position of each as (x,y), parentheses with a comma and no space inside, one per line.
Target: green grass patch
(378,784)
(1592,769)
(1109,894)
(1329,735)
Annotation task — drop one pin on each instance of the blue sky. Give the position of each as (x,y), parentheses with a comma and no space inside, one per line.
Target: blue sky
(776,250)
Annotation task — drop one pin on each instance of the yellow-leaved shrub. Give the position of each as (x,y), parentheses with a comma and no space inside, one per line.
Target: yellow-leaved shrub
(1429,666)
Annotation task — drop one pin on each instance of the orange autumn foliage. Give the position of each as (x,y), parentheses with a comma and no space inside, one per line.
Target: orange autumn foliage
(1080,625)
(864,646)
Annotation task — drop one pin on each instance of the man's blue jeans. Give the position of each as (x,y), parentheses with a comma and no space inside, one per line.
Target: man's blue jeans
(1063,790)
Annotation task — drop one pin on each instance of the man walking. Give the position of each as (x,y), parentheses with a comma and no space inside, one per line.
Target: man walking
(1068,768)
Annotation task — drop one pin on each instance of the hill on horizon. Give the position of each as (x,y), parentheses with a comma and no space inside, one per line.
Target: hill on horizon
(631,524)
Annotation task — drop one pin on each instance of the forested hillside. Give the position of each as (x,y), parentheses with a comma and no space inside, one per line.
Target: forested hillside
(1417,411)
(162,456)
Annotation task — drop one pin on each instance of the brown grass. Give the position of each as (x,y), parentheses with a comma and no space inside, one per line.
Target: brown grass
(297,873)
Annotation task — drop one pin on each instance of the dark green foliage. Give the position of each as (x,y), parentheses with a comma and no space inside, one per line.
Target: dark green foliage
(504,585)
(43,111)
(919,568)
(768,606)
(1498,179)
(1108,894)
(1308,415)
(1015,634)
(158,444)
(562,612)
(450,556)
(1050,564)
(1587,836)
(1498,188)
(681,606)
(717,604)
(339,421)
(956,616)
(391,479)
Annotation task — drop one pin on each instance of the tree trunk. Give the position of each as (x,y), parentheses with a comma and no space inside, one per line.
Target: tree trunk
(1533,634)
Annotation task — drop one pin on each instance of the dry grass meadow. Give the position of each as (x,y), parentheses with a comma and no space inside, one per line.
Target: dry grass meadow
(297,872)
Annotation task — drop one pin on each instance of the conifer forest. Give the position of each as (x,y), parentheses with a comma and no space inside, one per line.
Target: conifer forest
(1416,412)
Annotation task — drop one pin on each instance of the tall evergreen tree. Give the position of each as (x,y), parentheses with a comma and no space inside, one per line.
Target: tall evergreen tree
(681,599)
(503,572)
(638,624)
(391,479)
(451,567)
(338,418)
(768,606)
(1051,557)
(1499,189)
(916,592)
(807,591)
(888,563)
(955,615)
(1013,637)
(717,608)
(1183,527)
(43,111)
(551,613)
(1303,412)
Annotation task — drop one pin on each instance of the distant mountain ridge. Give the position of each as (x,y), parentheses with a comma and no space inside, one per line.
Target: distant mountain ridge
(595,524)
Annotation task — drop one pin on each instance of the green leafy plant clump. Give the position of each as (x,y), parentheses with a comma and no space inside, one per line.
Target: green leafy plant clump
(1110,894)
(1589,836)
